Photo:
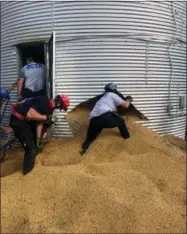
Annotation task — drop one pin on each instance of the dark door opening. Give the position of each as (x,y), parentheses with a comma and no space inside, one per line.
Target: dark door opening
(44,53)
(34,50)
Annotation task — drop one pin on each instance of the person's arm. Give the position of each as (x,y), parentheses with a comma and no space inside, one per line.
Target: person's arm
(20,81)
(20,86)
(6,129)
(125,104)
(32,114)
(119,102)
(39,129)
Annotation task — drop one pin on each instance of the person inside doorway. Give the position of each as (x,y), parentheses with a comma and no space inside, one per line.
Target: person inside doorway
(31,81)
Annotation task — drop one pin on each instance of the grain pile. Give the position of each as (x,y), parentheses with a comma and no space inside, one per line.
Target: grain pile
(119,186)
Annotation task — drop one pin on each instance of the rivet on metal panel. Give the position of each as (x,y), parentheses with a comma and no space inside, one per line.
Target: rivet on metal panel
(176,12)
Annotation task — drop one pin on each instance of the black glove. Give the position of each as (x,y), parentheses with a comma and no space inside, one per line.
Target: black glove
(129,98)
(49,121)
(39,143)
(20,98)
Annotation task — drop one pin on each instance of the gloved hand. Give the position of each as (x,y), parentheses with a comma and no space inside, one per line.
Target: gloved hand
(49,121)
(129,98)
(39,144)
(20,98)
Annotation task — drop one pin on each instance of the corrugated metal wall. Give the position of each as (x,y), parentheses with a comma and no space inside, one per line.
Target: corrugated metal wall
(134,43)
(127,42)
(97,18)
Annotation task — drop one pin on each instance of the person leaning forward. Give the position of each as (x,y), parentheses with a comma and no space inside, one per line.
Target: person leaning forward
(31,81)
(104,115)
(27,119)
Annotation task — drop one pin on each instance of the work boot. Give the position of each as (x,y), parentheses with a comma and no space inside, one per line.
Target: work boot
(126,137)
(29,162)
(83,151)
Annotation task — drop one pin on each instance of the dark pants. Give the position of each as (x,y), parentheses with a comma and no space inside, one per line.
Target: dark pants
(107,120)
(24,132)
(27,93)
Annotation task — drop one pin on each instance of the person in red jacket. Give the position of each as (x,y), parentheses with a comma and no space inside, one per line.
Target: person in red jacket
(27,121)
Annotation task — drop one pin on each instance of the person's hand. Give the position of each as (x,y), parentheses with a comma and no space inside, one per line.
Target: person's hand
(39,143)
(20,98)
(129,98)
(49,121)
(6,129)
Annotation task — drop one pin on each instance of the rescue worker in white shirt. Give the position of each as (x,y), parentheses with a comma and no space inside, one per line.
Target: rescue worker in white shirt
(33,112)
(31,81)
(104,115)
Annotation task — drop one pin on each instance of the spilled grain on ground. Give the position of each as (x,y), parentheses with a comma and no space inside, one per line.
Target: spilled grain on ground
(120,186)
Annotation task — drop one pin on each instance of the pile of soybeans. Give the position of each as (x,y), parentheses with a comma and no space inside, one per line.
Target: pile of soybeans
(119,186)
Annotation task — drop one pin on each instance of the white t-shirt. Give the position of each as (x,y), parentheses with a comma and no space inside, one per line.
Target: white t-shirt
(109,102)
(34,76)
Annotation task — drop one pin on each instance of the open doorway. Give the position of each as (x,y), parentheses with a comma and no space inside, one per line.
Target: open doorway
(41,52)
(34,50)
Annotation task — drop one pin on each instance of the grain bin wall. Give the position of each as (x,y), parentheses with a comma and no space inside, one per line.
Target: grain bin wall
(139,45)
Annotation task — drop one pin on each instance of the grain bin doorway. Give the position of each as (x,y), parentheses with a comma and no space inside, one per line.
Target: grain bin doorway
(42,52)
